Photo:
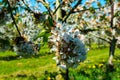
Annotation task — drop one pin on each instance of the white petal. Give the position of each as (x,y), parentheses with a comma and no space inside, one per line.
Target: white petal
(62,66)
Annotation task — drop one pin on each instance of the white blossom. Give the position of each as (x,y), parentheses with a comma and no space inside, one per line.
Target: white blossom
(63,66)
(26,48)
(69,48)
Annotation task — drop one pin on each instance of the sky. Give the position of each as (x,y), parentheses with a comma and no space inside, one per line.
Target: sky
(34,5)
(42,8)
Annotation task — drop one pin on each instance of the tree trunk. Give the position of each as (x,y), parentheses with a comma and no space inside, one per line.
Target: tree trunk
(89,44)
(112,50)
(98,40)
(67,74)
(110,67)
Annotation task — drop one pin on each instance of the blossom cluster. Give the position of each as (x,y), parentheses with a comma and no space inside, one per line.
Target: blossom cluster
(30,31)
(70,50)
(25,48)
(6,31)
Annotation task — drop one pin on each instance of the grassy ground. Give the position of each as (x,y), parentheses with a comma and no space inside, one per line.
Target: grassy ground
(43,67)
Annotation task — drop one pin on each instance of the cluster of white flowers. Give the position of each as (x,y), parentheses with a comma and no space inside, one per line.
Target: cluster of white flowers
(31,31)
(25,48)
(70,50)
(5,31)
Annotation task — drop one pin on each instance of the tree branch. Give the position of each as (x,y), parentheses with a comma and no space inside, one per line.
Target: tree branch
(28,8)
(86,10)
(104,39)
(112,13)
(57,8)
(48,8)
(13,18)
(72,10)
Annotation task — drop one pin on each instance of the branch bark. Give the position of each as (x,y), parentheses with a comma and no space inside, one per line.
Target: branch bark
(13,18)
(48,8)
(114,40)
(27,6)
(79,2)
(57,8)
(67,74)
(104,39)
(85,10)
(112,13)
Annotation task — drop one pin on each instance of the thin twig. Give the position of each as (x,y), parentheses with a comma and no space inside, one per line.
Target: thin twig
(71,10)
(57,8)
(86,9)
(48,8)
(104,39)
(27,6)
(13,18)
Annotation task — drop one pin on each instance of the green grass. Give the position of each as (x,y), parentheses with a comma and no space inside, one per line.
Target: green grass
(20,66)
(95,66)
(43,67)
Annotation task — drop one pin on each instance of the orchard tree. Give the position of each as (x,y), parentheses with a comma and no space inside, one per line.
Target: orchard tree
(61,13)
(114,26)
(25,37)
(104,19)
(65,38)
(91,19)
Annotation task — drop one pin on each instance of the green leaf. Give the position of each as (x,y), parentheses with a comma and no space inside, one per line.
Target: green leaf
(102,17)
(108,1)
(92,10)
(10,25)
(51,21)
(99,4)
(117,14)
(42,33)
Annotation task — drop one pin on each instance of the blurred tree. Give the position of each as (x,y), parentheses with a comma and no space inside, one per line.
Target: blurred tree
(91,17)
